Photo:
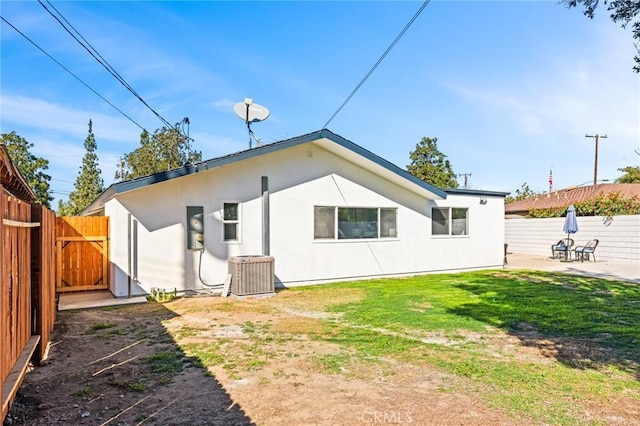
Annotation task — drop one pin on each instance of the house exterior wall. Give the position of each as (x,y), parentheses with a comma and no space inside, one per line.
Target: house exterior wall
(619,239)
(299,178)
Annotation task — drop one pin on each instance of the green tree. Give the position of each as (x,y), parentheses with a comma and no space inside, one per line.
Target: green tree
(166,149)
(523,192)
(88,184)
(31,167)
(622,11)
(631,175)
(430,165)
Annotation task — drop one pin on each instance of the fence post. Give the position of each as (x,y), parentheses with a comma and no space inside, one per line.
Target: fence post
(4,361)
(42,278)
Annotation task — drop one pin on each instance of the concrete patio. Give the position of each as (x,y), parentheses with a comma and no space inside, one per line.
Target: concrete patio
(94,299)
(600,269)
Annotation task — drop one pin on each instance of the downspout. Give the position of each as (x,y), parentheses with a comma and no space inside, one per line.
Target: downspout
(265,217)
(129,255)
(135,253)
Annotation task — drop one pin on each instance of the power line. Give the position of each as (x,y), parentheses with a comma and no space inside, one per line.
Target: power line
(373,68)
(67,70)
(94,53)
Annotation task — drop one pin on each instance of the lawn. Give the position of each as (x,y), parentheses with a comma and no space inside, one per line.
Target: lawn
(541,347)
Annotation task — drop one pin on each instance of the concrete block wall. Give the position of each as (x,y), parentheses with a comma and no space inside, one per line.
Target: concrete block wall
(619,237)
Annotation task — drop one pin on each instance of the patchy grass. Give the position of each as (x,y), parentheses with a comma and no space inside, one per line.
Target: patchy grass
(571,340)
(85,391)
(337,363)
(100,326)
(303,326)
(590,327)
(208,355)
(188,331)
(323,297)
(105,330)
(137,386)
(165,362)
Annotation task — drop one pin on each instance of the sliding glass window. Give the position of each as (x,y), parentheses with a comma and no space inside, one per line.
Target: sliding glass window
(352,223)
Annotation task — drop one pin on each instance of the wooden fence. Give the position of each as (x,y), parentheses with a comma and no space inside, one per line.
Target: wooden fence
(27,293)
(82,253)
(43,275)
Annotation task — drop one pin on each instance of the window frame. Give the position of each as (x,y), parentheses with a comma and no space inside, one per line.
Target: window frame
(449,221)
(336,224)
(236,222)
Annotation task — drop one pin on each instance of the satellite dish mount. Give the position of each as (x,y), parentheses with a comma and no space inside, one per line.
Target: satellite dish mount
(251,112)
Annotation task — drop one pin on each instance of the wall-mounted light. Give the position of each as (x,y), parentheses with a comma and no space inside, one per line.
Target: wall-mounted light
(483,200)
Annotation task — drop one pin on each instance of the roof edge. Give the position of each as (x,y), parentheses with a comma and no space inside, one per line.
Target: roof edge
(12,180)
(120,187)
(328,134)
(475,192)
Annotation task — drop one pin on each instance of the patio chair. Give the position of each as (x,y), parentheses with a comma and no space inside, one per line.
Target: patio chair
(589,249)
(562,247)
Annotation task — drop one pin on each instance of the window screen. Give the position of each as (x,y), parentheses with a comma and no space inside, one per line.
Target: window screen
(324,222)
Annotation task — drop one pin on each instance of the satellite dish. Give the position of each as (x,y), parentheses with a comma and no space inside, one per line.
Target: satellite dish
(251,113)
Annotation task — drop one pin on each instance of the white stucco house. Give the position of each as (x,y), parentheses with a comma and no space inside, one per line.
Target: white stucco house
(323,207)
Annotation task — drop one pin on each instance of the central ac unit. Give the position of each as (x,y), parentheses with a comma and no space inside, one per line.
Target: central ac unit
(252,275)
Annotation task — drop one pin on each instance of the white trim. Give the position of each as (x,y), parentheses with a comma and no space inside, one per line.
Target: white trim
(238,239)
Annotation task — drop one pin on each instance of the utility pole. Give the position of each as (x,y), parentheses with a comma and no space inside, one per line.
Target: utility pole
(595,166)
(466,179)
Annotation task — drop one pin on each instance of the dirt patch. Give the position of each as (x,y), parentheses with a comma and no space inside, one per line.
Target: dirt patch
(120,366)
(268,363)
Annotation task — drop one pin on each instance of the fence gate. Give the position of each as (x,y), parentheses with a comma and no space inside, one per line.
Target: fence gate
(82,253)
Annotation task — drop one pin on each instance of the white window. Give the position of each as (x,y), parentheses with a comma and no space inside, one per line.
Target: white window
(449,221)
(349,223)
(231,221)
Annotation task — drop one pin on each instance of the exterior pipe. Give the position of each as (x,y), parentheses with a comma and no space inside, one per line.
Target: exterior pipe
(135,253)
(265,216)
(129,254)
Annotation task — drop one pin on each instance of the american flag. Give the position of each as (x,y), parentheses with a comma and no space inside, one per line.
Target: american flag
(550,180)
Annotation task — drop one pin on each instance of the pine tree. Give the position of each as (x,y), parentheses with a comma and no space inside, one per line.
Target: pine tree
(31,167)
(430,165)
(88,184)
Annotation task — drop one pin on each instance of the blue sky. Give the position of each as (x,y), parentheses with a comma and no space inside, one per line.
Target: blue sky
(509,88)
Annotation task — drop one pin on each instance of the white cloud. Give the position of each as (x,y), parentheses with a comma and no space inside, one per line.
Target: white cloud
(223,105)
(213,146)
(50,117)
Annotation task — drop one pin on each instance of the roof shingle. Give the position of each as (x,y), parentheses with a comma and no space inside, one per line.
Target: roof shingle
(572,195)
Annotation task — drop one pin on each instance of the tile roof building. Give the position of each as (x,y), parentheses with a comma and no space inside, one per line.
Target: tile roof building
(572,195)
